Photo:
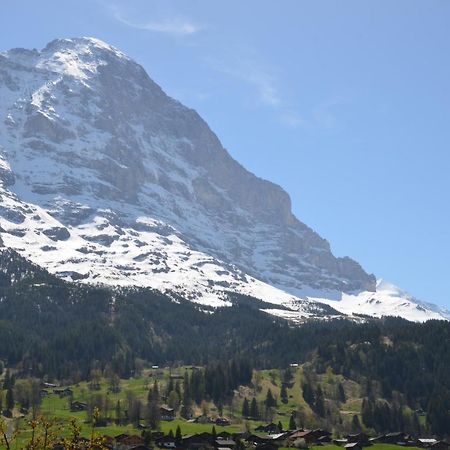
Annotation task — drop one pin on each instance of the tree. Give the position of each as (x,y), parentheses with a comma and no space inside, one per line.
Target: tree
(356,426)
(245,408)
(178,435)
(284,394)
(9,399)
(341,393)
(320,402)
(254,413)
(7,380)
(280,426)
(118,413)
(270,401)
(292,424)
(173,400)
(308,394)
(114,383)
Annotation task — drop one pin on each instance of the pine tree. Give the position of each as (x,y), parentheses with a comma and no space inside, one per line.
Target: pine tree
(7,380)
(178,435)
(356,426)
(308,394)
(284,394)
(319,403)
(341,393)
(254,413)
(292,424)
(214,432)
(280,427)
(118,413)
(270,401)
(9,400)
(245,408)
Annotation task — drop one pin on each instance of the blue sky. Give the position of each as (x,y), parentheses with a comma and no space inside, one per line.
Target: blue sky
(344,104)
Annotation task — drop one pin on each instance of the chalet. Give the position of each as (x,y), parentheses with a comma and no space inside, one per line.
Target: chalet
(426,443)
(279,437)
(165,442)
(167,414)
(76,406)
(353,446)
(269,428)
(120,437)
(222,422)
(198,441)
(130,441)
(224,435)
(310,436)
(254,439)
(241,435)
(203,419)
(358,438)
(176,376)
(398,438)
(222,443)
(67,392)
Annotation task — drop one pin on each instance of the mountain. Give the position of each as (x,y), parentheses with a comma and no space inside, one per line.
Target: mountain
(105,179)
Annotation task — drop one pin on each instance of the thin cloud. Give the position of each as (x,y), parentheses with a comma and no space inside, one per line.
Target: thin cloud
(264,83)
(259,78)
(172,26)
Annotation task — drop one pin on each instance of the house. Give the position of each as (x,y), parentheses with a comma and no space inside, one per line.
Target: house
(203,419)
(221,443)
(176,376)
(222,422)
(224,435)
(254,439)
(399,438)
(426,443)
(310,436)
(165,442)
(76,406)
(130,441)
(269,428)
(198,441)
(67,392)
(167,414)
(353,446)
(358,438)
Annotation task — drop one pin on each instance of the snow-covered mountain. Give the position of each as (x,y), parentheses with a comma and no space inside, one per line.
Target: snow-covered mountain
(104,178)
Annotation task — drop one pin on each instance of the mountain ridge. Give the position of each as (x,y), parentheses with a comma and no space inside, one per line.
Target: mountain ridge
(106,179)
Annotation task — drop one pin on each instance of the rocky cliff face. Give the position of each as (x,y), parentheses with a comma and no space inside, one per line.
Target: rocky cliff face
(105,178)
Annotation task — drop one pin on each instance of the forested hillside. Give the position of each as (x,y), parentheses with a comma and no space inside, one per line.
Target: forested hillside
(62,330)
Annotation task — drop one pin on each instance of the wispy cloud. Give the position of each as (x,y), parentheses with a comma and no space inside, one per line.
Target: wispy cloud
(171,26)
(264,83)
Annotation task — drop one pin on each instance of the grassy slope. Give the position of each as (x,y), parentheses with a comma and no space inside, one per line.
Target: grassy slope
(55,407)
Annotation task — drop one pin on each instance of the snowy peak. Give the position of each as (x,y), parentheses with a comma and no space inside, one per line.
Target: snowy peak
(79,58)
(104,178)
